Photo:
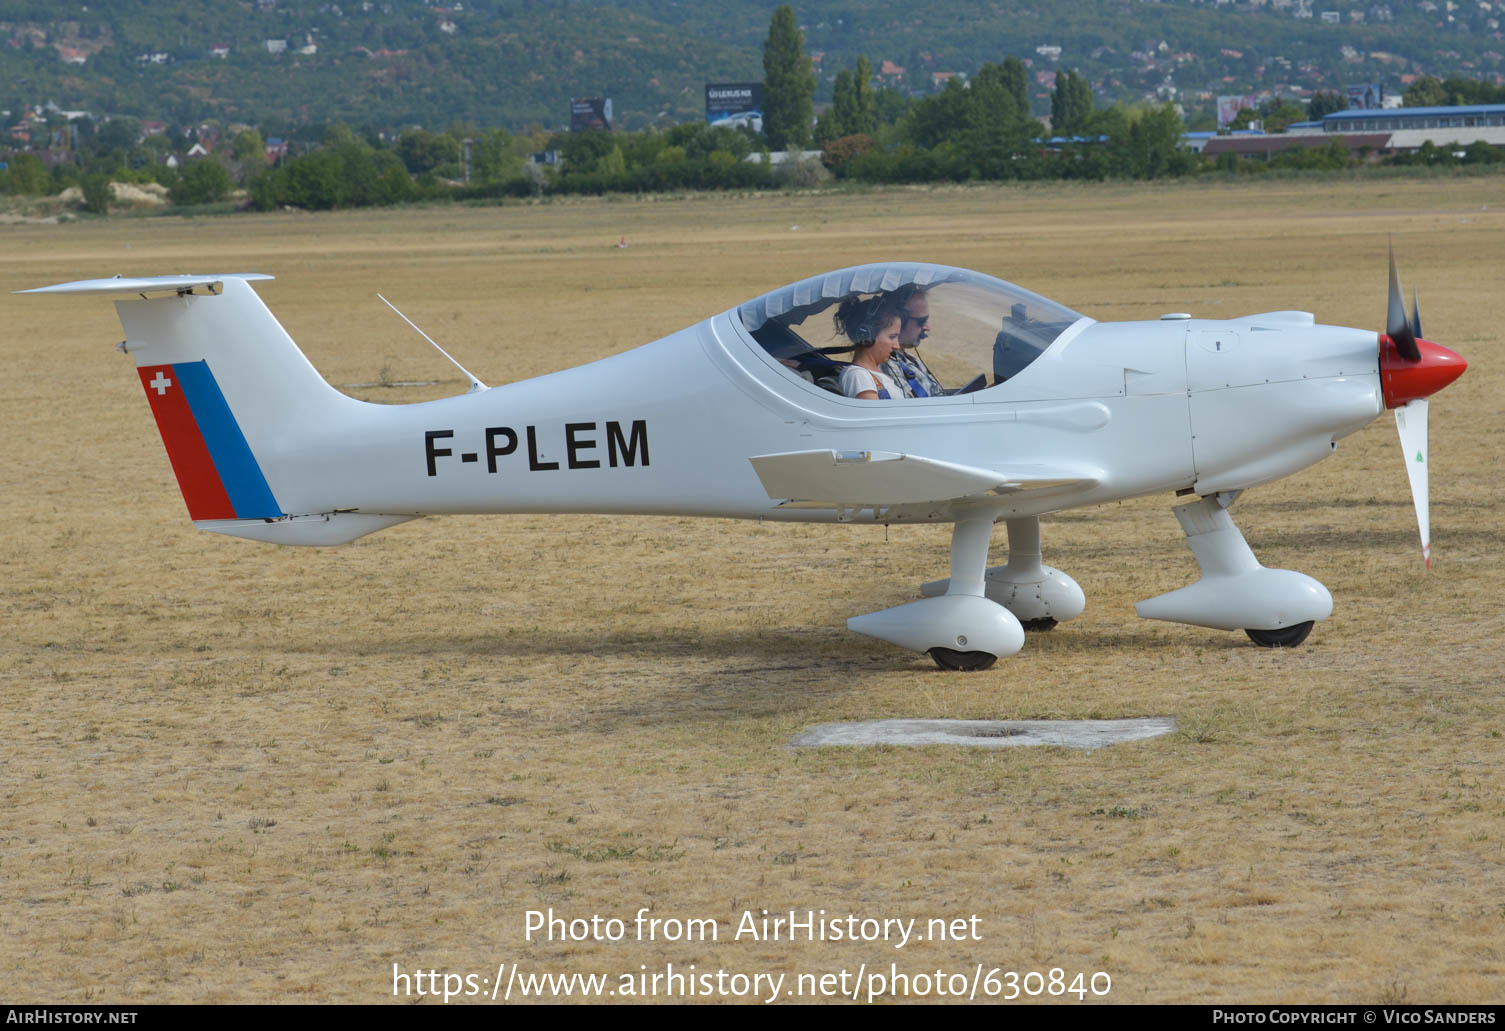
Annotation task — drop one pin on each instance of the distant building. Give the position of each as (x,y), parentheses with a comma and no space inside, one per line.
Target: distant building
(1409,127)
(220,50)
(72,55)
(275,46)
(1374,132)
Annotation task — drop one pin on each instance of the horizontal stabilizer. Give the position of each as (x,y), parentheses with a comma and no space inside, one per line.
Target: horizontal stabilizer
(143,284)
(889,478)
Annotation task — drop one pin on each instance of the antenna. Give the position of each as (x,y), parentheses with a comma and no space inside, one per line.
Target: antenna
(475,384)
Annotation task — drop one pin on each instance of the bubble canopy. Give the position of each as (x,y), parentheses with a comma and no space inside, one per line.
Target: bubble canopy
(980,331)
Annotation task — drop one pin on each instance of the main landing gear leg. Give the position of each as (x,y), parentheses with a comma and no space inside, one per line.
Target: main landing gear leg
(1275,607)
(1038,595)
(960,629)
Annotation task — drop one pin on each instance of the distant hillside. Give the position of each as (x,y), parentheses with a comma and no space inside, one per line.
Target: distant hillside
(513,63)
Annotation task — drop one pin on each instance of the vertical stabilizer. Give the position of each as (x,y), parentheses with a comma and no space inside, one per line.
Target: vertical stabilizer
(234,397)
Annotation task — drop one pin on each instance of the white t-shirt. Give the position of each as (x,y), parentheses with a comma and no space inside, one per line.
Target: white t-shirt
(855,380)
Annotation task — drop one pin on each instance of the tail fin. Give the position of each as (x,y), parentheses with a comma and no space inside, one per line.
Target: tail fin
(232,395)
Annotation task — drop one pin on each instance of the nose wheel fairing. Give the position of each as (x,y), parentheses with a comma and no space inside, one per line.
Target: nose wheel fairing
(1235,591)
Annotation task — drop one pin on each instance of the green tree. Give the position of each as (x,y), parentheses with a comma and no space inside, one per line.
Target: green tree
(1244,119)
(1277,114)
(583,151)
(1426,91)
(997,82)
(614,163)
(862,83)
(423,151)
(1481,153)
(28,175)
(1156,146)
(201,182)
(841,117)
(1016,80)
(788,83)
(975,132)
(1472,91)
(1071,104)
(890,106)
(493,158)
(712,138)
(118,134)
(97,193)
(1323,104)
(249,148)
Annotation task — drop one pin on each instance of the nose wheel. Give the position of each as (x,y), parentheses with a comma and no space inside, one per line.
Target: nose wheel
(1285,637)
(965,662)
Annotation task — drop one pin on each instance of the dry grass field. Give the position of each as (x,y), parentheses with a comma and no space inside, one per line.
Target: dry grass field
(239,773)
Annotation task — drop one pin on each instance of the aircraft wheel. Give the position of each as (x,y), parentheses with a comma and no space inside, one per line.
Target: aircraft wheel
(1287,637)
(1039,625)
(967,662)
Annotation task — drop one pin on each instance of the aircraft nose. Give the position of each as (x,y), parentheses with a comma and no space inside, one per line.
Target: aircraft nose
(1404,380)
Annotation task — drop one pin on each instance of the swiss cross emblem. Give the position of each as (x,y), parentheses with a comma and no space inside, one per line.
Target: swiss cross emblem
(160,384)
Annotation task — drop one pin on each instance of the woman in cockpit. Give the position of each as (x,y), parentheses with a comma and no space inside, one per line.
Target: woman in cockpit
(872,326)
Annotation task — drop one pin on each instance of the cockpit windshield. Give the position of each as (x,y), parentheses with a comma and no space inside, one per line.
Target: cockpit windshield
(968,331)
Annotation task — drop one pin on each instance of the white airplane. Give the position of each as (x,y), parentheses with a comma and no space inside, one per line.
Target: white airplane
(737,416)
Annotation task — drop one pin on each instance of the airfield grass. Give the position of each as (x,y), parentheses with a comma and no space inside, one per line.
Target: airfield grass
(239,773)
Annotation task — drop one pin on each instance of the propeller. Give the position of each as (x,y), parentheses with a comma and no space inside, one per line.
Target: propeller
(1411,369)
(1404,334)
(1411,422)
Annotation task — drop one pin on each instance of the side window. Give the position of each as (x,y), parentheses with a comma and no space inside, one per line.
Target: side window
(795,354)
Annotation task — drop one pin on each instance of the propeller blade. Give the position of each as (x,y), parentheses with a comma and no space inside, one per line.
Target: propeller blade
(1396,326)
(1415,313)
(1411,421)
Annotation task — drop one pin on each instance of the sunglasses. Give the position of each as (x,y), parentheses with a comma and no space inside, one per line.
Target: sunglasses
(921,319)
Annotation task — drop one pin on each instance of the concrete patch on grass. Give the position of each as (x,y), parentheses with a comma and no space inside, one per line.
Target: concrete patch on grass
(986,733)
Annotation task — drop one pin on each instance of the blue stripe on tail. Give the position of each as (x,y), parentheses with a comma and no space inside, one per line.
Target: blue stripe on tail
(237,467)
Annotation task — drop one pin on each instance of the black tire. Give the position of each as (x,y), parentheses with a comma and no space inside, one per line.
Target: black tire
(1285,637)
(1040,625)
(966,662)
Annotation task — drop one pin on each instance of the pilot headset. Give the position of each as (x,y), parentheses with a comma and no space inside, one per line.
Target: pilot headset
(876,315)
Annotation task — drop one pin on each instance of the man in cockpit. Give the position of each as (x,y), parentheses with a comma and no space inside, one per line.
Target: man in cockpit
(906,367)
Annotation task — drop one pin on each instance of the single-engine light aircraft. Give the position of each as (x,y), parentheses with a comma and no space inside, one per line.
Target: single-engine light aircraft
(1029,408)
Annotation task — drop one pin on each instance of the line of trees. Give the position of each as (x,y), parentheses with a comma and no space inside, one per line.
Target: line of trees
(978,131)
(1429,91)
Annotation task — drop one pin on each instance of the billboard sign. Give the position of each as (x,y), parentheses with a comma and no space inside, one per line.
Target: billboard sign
(734,104)
(1228,108)
(590,113)
(1366,98)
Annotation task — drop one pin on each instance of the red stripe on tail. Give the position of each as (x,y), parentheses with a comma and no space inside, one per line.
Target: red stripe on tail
(198,479)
